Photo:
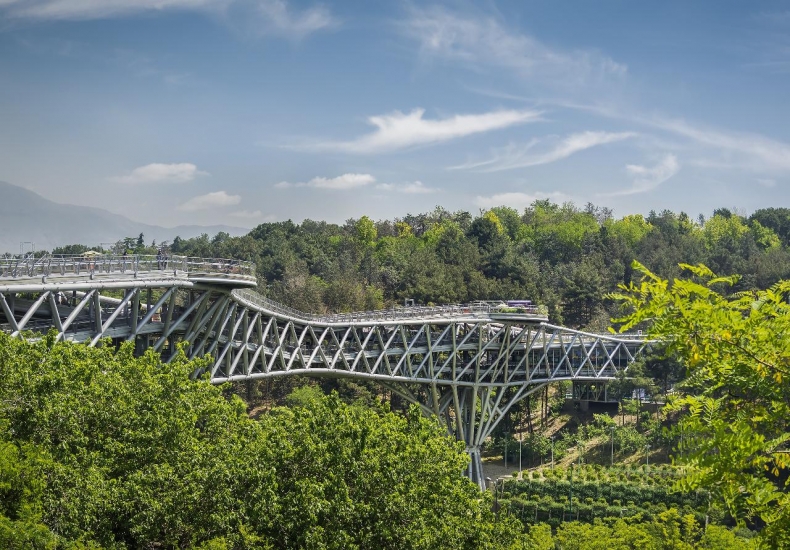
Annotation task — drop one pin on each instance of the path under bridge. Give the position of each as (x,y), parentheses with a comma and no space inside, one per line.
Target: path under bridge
(466,364)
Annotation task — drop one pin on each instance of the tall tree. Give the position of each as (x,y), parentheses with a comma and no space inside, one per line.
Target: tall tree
(736,400)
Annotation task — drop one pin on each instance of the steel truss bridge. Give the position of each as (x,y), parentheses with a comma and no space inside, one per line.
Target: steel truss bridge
(468,365)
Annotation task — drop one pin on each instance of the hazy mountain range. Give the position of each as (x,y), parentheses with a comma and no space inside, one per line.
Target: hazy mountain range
(29,217)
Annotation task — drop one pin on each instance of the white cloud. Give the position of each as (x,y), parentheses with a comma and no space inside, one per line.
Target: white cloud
(400,131)
(162,173)
(413,188)
(484,42)
(345,181)
(753,151)
(738,150)
(210,200)
(273,15)
(247,214)
(646,179)
(295,25)
(352,181)
(100,9)
(253,215)
(766,182)
(519,200)
(514,156)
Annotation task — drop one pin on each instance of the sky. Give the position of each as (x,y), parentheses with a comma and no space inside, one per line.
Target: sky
(240,112)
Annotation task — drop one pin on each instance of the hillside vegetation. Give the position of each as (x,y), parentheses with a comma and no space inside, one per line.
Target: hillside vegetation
(562,256)
(104,449)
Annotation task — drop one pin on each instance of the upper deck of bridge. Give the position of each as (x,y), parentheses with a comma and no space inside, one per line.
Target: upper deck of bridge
(61,273)
(488,311)
(73,268)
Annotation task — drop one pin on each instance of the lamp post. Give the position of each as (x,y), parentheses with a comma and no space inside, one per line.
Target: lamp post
(612,428)
(520,445)
(491,483)
(506,438)
(647,455)
(570,493)
(552,452)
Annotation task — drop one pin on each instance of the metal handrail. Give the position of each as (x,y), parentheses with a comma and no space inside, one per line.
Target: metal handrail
(394,314)
(14,267)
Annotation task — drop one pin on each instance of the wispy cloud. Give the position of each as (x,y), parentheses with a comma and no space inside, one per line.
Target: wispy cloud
(253,215)
(519,200)
(522,156)
(275,16)
(296,25)
(345,181)
(353,181)
(100,9)
(161,173)
(210,200)
(648,178)
(413,188)
(753,151)
(741,150)
(399,130)
(247,214)
(485,41)
(766,182)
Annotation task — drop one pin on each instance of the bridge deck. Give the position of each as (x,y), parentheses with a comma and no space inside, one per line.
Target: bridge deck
(74,268)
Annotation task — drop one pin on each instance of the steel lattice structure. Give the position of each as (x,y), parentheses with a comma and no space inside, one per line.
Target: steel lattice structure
(468,365)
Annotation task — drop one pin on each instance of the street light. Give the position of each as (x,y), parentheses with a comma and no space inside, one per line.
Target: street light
(612,428)
(570,493)
(491,483)
(22,247)
(647,455)
(552,452)
(520,445)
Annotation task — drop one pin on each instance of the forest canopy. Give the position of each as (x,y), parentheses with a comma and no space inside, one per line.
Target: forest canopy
(565,257)
(104,449)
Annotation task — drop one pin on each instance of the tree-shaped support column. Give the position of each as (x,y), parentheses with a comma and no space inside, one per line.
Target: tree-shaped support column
(470,412)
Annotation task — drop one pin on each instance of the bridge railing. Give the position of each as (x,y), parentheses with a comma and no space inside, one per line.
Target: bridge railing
(394,314)
(15,267)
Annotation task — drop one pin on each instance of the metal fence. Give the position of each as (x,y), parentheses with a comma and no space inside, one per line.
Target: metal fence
(14,267)
(394,314)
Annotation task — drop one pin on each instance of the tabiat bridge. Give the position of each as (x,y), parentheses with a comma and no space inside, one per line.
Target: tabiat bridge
(466,364)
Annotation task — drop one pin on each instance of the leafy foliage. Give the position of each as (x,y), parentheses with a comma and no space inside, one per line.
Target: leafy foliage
(737,395)
(558,255)
(100,448)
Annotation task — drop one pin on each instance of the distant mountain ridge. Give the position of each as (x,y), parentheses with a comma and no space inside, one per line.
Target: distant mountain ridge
(27,216)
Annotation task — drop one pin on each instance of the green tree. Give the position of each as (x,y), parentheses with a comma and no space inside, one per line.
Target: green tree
(737,396)
(776,219)
(70,250)
(365,231)
(354,477)
(21,489)
(101,448)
